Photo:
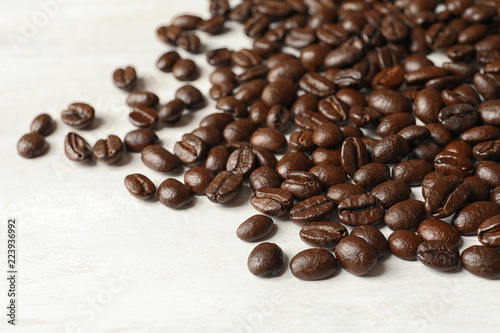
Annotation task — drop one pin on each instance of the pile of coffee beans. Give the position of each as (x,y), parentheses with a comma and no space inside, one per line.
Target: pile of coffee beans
(320,75)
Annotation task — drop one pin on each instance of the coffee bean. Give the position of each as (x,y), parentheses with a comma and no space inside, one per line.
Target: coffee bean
(445,196)
(252,73)
(242,161)
(197,179)
(406,215)
(255,228)
(300,37)
(427,105)
(281,91)
(392,124)
(251,90)
(166,61)
(222,74)
(256,25)
(246,58)
(459,147)
(159,159)
(302,184)
(191,150)
(480,133)
(354,155)
(258,112)
(77,148)
(412,172)
(185,70)
(169,34)
(108,151)
(374,237)
(488,232)
(266,260)
(174,194)
(309,120)
(312,209)
(361,209)
(328,175)
(341,191)
(424,74)
(342,56)
(43,124)
(331,34)
(313,264)
(142,98)
(172,111)
(351,131)
(472,34)
(293,161)
(241,12)
(414,62)
(323,234)
(272,201)
(312,56)
(326,156)
(327,135)
(266,47)
(231,105)
(390,78)
(469,218)
(265,157)
(219,7)
(302,141)
(404,244)
(364,116)
(439,134)
(355,255)
(495,196)
(125,78)
(143,117)
(140,186)
(278,117)
(263,177)
(189,42)
(388,102)
(186,22)
(208,134)
(458,117)
(239,130)
(316,84)
(225,187)
(136,140)
(351,97)
(191,96)
(290,69)
(440,36)
(213,25)
(391,192)
(78,115)
(480,190)
(426,151)
(415,134)
(488,85)
(453,164)
(217,158)
(487,150)
(482,261)
(437,230)
(217,120)
(333,109)
(439,255)
(371,174)
(219,57)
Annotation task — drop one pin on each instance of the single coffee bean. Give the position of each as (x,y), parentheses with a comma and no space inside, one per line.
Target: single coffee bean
(136,140)
(355,255)
(108,151)
(388,102)
(458,117)
(323,234)
(404,244)
(302,184)
(185,70)
(255,228)
(391,149)
(480,133)
(219,57)
(278,117)
(191,96)
(281,91)
(251,90)
(374,237)
(489,171)
(293,161)
(439,255)
(328,175)
(315,208)
(219,8)
(488,232)
(217,158)
(309,120)
(32,145)
(77,148)
(361,209)
(300,37)
(197,179)
(342,191)
(453,164)
(391,192)
(487,150)
(166,61)
(343,56)
(258,112)
(415,134)
(169,34)
(265,157)
(140,186)
(480,190)
(290,68)
(326,156)
(263,177)
(427,105)
(439,134)
(389,78)
(445,195)
(364,116)
(186,22)
(472,34)
(312,56)
(459,147)
(272,201)
(143,117)
(351,131)
(142,98)
(174,194)
(394,123)
(313,264)
(251,73)
(424,74)
(495,196)
(217,120)
(213,25)
(78,115)
(469,218)
(406,215)
(208,134)
(316,84)
(302,141)
(256,25)
(246,58)
(159,159)
(125,78)
(327,135)
(482,261)
(222,74)
(333,109)
(266,260)
(242,161)
(43,124)
(412,172)
(416,61)
(351,97)
(231,105)
(371,174)
(426,151)
(172,111)
(189,42)
(354,155)
(437,230)
(191,150)
(225,187)
(488,85)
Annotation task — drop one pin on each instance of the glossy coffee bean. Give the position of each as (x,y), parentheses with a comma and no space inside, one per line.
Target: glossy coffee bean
(373,236)
(143,117)
(302,141)
(415,134)
(217,120)
(412,172)
(294,161)
(426,151)
(316,84)
(242,161)
(169,34)
(217,158)
(208,134)
(174,194)
(224,187)
(266,260)
(302,184)
(281,91)
(190,95)
(326,156)
(108,151)
(439,133)
(42,124)
(278,117)
(263,177)
(488,232)
(191,150)
(166,61)
(251,90)
(391,192)
(354,155)
(171,111)
(289,68)
(140,186)
(469,218)
(487,150)
(482,261)
(313,264)
(327,135)
(255,228)
(404,244)
(189,42)
(427,105)
(78,115)
(328,175)
(445,196)
(355,255)
(342,191)
(488,85)
(480,190)
(333,109)
(222,74)
(489,171)
(388,102)
(459,147)
(159,159)
(125,78)
(77,148)
(394,123)
(391,149)
(32,145)
(361,209)
(437,230)
(439,255)
(453,164)
(371,174)
(272,201)
(406,215)
(219,57)
(323,234)
(315,208)
(457,118)
(197,179)
(142,98)
(185,70)
(136,140)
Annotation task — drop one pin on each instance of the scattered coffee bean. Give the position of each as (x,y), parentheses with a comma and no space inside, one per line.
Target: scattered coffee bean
(143,117)
(166,61)
(355,255)
(125,78)
(437,230)
(78,115)
(361,209)
(255,228)
(174,194)
(225,187)
(140,186)
(439,255)
(469,218)
(404,244)
(323,234)
(77,148)
(159,159)
(142,98)
(136,140)
(43,124)
(185,70)
(108,151)
(374,237)
(197,179)
(482,261)
(190,95)
(313,264)
(266,260)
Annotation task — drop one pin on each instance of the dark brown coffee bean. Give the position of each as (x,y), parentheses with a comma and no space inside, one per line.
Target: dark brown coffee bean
(256,25)
(246,58)
(394,123)
(374,237)
(444,196)
(309,120)
(300,37)
(460,52)
(266,47)
(166,61)
(217,120)
(416,61)
(331,34)
(209,134)
(143,117)
(265,157)
(255,228)
(43,124)
(293,161)
(482,261)
(479,13)
(364,116)
(217,159)
(239,130)
(327,135)
(439,134)
(172,111)
(189,42)
(140,186)
(252,73)
(480,133)
(169,34)
(266,260)
(328,175)
(492,68)
(219,7)
(354,155)
(426,151)
(290,69)
(333,109)
(258,112)
(391,192)
(302,184)
(77,148)
(389,78)
(412,172)
(424,74)
(437,230)
(279,118)
(361,209)
(415,134)
(78,115)
(315,208)
(251,90)
(458,117)
(459,147)
(439,255)
(488,85)
(427,105)
(342,191)
(213,25)
(186,21)
(371,174)
(489,112)
(469,218)
(393,28)
(488,232)
(351,131)
(263,177)
(495,196)
(312,56)
(313,264)
(404,244)
(440,36)
(453,164)
(108,151)
(323,234)
(487,150)
(480,190)
(142,98)
(191,150)
(225,187)
(345,77)
(406,215)
(272,201)
(343,56)
(32,145)
(302,141)
(219,57)
(388,102)
(159,159)
(190,95)
(241,12)
(316,84)
(136,140)
(351,97)
(231,105)
(326,156)
(281,91)
(355,255)
(185,70)
(463,70)
(125,78)
(391,149)
(222,74)
(174,194)
(197,179)
(242,161)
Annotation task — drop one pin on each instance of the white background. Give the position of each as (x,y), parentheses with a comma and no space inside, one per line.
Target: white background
(94,259)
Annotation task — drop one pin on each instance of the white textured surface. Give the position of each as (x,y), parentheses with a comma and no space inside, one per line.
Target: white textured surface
(94,259)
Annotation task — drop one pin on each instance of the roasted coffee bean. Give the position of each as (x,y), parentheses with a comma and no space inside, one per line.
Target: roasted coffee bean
(78,115)
(440,36)
(406,215)
(213,25)
(219,57)
(208,134)
(488,232)
(302,141)
(354,155)
(278,117)
(412,172)
(345,77)
(108,151)
(290,69)
(460,52)
(424,74)
(279,58)
(293,161)
(189,42)
(172,111)
(186,22)
(469,218)
(140,186)
(266,260)
(488,85)
(489,112)
(32,144)
(239,130)
(316,84)
(191,96)
(231,105)
(174,194)
(458,117)
(255,228)
(219,7)
(427,105)
(389,78)
(142,98)
(309,120)
(426,151)
(331,34)
(241,12)
(364,116)
(465,71)
(361,209)
(263,177)
(416,61)
(136,140)
(453,164)
(242,161)
(159,159)
(185,70)
(391,192)
(351,97)
(197,179)
(125,78)
(326,156)
(313,264)
(492,68)
(388,102)
(265,157)
(251,90)
(191,150)
(459,147)
(461,94)
(302,184)
(371,174)
(222,74)
(77,148)
(445,196)
(272,201)
(300,37)
(281,91)
(258,112)
(343,56)
(323,234)
(480,133)
(495,196)
(415,134)
(312,209)
(328,175)
(351,131)
(166,61)
(480,190)
(312,56)
(342,191)
(393,28)
(42,124)
(437,230)
(374,237)
(256,25)
(217,158)
(333,109)
(265,47)
(303,103)
(404,244)
(217,120)
(143,117)
(169,34)
(225,187)
(392,124)
(246,58)
(487,150)
(355,255)
(327,135)
(482,261)
(439,134)
(439,255)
